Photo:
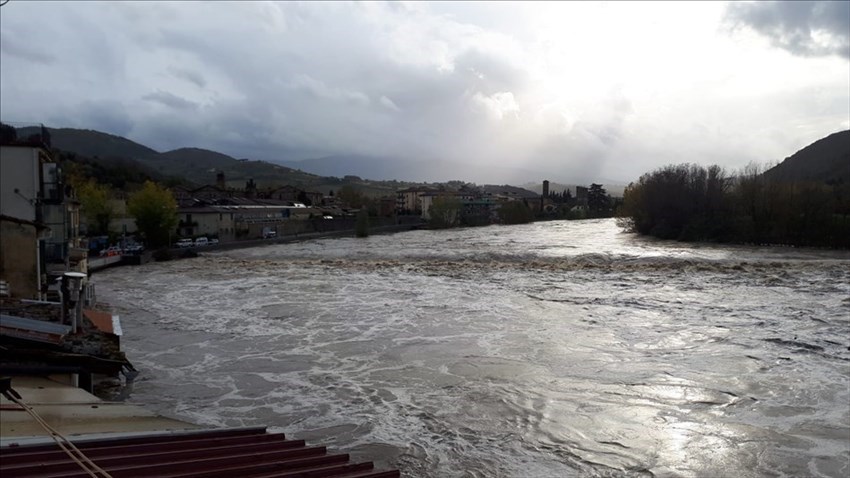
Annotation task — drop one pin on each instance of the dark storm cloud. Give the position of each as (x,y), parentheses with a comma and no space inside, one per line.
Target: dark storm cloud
(802,28)
(191,76)
(10,45)
(170,100)
(444,82)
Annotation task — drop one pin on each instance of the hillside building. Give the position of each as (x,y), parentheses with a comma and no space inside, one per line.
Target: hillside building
(39,217)
(409,201)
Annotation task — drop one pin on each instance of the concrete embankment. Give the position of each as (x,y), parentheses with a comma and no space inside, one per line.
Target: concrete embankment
(100,263)
(305,237)
(73,411)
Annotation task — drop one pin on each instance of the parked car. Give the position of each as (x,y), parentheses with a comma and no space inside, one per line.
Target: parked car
(111,251)
(185,242)
(201,241)
(134,249)
(213,241)
(269,234)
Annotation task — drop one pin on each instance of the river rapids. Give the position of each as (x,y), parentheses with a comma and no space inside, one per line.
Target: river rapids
(553,349)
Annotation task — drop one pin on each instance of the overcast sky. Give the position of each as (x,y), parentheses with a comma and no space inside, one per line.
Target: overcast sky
(591,90)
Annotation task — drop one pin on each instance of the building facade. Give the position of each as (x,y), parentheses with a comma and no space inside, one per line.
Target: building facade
(409,201)
(40,218)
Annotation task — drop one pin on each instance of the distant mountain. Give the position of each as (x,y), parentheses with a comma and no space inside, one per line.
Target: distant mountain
(385,168)
(197,157)
(507,190)
(380,175)
(825,160)
(202,165)
(347,165)
(90,143)
(196,165)
(114,156)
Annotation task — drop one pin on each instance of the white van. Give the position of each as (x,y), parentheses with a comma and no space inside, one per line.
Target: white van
(201,241)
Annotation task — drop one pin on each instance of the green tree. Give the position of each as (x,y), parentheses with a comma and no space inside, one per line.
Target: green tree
(598,201)
(515,212)
(444,212)
(351,197)
(155,211)
(94,202)
(361,227)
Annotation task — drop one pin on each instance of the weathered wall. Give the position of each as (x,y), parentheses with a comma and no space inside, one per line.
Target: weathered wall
(208,223)
(219,224)
(19,258)
(19,170)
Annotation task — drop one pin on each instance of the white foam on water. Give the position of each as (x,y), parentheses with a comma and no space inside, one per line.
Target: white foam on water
(551,349)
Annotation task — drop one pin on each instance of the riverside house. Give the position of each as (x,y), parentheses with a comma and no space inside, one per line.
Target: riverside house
(409,201)
(39,216)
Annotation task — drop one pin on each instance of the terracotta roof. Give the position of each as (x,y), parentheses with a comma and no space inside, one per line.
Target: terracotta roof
(101,320)
(243,452)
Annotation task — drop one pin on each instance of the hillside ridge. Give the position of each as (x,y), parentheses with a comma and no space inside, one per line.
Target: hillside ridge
(825,160)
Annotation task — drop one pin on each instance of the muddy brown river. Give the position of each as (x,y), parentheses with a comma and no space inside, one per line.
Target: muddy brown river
(554,349)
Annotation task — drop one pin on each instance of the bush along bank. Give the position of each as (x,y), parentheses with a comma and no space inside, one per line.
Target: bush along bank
(693,203)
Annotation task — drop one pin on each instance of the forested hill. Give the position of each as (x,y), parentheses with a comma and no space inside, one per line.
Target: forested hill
(826,160)
(122,161)
(91,144)
(805,201)
(197,166)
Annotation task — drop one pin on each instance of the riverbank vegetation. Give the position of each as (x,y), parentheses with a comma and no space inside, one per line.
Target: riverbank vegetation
(155,210)
(361,226)
(694,203)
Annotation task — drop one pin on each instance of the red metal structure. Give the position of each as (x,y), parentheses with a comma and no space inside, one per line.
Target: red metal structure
(242,452)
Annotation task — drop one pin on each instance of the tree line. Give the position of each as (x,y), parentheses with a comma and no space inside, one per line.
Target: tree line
(152,206)
(694,203)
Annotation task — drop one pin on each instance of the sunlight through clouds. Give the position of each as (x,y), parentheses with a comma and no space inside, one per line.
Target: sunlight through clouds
(573,88)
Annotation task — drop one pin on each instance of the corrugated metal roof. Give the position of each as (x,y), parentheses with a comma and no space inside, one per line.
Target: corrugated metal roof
(209,453)
(30,329)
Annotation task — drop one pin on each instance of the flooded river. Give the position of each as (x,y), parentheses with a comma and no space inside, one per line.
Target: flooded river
(553,349)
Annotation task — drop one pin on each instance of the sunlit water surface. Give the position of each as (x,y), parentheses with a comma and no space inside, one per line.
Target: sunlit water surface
(552,349)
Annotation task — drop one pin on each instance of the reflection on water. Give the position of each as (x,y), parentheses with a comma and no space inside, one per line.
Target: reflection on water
(553,349)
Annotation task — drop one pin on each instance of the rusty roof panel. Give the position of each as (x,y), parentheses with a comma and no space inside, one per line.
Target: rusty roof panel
(260,442)
(205,453)
(103,321)
(31,329)
(57,462)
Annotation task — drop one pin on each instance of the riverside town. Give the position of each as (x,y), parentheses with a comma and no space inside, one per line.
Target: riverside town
(425,240)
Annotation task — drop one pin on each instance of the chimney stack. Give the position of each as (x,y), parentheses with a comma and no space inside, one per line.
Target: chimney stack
(219,180)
